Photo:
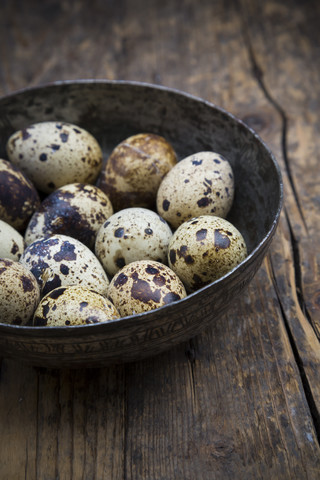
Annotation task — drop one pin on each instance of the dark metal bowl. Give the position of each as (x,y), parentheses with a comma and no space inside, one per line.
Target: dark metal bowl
(112,111)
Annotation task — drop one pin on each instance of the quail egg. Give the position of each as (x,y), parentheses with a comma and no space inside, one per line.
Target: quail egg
(144,285)
(61,260)
(134,170)
(73,305)
(77,210)
(11,242)
(204,249)
(200,184)
(53,154)
(18,196)
(132,234)
(19,293)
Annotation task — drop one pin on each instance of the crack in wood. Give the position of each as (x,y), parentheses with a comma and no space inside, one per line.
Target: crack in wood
(191,356)
(37,449)
(26,463)
(298,275)
(259,76)
(125,427)
(315,414)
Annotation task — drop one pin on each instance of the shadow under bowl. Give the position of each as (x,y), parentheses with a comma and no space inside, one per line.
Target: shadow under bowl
(112,111)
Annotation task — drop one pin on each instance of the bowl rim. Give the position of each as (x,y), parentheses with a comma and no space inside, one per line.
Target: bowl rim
(52,331)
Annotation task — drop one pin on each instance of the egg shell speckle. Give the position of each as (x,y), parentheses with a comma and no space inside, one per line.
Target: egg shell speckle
(53,154)
(11,242)
(77,210)
(73,305)
(144,285)
(19,293)
(61,260)
(134,170)
(18,196)
(132,234)
(204,249)
(200,184)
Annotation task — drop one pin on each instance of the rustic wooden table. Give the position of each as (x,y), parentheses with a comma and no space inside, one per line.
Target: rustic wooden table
(242,400)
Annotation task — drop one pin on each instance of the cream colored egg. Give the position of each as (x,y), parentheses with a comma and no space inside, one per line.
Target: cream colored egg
(144,285)
(53,154)
(201,184)
(11,242)
(77,210)
(73,305)
(134,170)
(204,249)
(132,234)
(18,197)
(19,293)
(61,260)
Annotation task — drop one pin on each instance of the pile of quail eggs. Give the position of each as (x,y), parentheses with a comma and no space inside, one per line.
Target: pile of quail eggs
(85,240)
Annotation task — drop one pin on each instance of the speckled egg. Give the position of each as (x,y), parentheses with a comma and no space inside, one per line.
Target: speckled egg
(11,242)
(134,170)
(53,154)
(61,260)
(77,210)
(18,196)
(73,305)
(201,184)
(19,293)
(204,249)
(132,234)
(144,285)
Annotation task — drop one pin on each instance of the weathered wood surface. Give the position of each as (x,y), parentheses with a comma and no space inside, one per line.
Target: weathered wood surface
(242,400)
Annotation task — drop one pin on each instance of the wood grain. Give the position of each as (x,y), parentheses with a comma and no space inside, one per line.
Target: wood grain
(295,275)
(242,400)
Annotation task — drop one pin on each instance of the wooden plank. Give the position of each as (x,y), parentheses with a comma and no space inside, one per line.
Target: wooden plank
(277,53)
(245,418)
(230,403)
(18,424)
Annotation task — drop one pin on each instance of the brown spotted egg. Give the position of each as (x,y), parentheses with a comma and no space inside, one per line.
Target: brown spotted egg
(73,305)
(204,249)
(132,234)
(11,242)
(18,196)
(77,210)
(144,285)
(53,154)
(19,293)
(134,170)
(200,184)
(61,260)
